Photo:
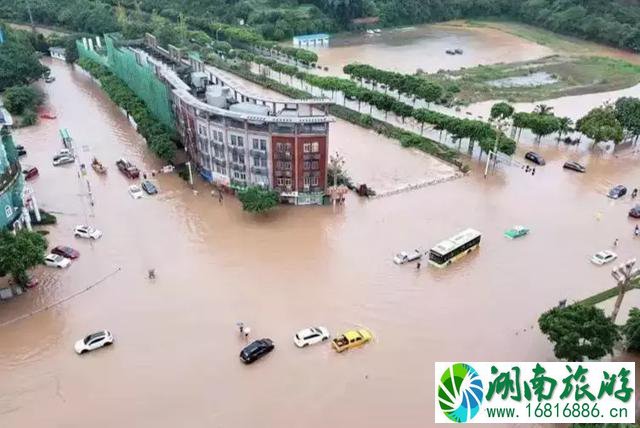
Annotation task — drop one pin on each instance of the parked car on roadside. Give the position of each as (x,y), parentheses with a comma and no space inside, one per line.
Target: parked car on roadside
(29,172)
(57,261)
(256,350)
(21,150)
(635,212)
(310,336)
(535,158)
(127,168)
(93,341)
(574,166)
(617,192)
(62,160)
(65,251)
(149,187)
(603,257)
(87,232)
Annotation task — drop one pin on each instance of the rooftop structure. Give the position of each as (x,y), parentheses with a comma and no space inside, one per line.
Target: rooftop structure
(307,40)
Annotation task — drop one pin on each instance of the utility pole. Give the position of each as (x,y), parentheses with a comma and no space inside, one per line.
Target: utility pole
(33,26)
(625,275)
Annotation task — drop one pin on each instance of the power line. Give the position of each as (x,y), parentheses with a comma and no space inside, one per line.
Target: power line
(59,302)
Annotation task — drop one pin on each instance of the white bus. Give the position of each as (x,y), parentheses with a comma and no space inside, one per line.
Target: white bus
(446,252)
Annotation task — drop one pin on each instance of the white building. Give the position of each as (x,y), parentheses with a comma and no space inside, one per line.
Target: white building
(58,53)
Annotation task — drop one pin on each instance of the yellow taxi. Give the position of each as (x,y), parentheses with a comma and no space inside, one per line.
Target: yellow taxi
(351,339)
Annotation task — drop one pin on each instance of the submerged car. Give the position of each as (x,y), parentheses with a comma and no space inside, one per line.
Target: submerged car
(405,257)
(65,251)
(351,339)
(29,172)
(617,192)
(135,191)
(21,150)
(516,232)
(535,158)
(310,336)
(635,212)
(603,257)
(87,232)
(149,187)
(256,350)
(574,166)
(93,341)
(57,261)
(63,160)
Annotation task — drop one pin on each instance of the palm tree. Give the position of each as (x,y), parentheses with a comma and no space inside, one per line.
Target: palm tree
(543,109)
(564,126)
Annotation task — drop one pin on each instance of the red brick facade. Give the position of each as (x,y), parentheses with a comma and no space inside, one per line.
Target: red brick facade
(299,163)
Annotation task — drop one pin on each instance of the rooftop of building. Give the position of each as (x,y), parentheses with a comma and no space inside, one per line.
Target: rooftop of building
(306,37)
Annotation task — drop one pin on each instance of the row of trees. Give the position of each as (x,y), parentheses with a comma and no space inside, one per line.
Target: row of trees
(473,130)
(159,138)
(409,85)
(23,100)
(579,331)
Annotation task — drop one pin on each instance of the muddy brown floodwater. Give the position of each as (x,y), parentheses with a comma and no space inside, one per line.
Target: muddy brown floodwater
(175,360)
(424,46)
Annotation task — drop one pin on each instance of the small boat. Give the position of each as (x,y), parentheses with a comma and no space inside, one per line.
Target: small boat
(405,257)
(46,114)
(458,51)
(98,167)
(516,232)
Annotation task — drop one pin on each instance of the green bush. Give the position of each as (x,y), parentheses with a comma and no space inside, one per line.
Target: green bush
(19,98)
(29,118)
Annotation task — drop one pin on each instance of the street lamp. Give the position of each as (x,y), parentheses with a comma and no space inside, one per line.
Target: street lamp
(625,275)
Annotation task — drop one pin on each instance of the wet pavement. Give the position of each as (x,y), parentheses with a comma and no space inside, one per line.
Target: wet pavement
(175,359)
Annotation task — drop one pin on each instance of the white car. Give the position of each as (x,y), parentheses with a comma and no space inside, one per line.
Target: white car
(87,232)
(135,191)
(603,257)
(55,260)
(93,341)
(311,336)
(405,257)
(63,160)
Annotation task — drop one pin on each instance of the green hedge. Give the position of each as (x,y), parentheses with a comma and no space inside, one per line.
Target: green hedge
(158,136)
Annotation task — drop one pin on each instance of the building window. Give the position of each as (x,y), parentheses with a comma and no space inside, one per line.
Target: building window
(239,175)
(263,144)
(221,169)
(307,165)
(234,140)
(307,181)
(283,147)
(240,141)
(280,181)
(315,147)
(238,158)
(259,162)
(306,147)
(314,180)
(315,165)
(287,182)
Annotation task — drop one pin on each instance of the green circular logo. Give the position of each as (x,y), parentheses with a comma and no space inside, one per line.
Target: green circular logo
(460,392)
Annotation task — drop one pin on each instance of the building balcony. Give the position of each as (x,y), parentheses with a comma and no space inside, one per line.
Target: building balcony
(259,170)
(283,155)
(259,153)
(238,166)
(281,173)
(311,156)
(9,176)
(219,162)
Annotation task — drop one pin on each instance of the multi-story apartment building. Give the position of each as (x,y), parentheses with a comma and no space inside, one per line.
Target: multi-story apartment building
(237,138)
(11,178)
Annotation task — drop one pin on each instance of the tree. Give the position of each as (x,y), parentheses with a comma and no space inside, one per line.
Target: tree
(628,114)
(255,199)
(564,126)
(578,332)
(501,110)
(18,99)
(543,109)
(20,252)
(18,64)
(631,330)
(601,124)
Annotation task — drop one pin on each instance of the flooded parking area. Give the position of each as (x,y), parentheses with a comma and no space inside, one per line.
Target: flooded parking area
(175,356)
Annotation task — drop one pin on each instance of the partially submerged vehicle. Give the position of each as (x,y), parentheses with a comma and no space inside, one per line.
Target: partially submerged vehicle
(516,232)
(351,339)
(98,166)
(405,257)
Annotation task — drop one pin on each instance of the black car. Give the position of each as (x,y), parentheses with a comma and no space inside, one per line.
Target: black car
(575,166)
(256,350)
(21,150)
(617,192)
(535,158)
(149,187)
(635,212)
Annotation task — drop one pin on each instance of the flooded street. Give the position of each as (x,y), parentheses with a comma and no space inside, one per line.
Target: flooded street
(175,356)
(424,46)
